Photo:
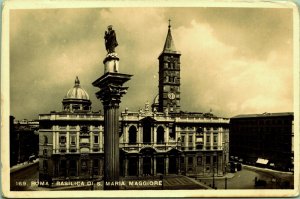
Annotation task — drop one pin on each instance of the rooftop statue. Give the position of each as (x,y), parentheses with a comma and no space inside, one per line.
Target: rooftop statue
(110,40)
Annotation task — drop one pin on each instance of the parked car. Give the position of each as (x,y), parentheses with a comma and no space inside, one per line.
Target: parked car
(31,158)
(238,166)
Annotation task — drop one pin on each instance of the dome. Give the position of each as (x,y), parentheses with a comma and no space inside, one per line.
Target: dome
(156,99)
(76,99)
(77,92)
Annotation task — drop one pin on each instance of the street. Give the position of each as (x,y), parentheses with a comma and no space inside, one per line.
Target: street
(21,178)
(245,179)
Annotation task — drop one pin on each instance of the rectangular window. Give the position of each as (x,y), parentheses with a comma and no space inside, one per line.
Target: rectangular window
(171,133)
(190,160)
(62,139)
(83,165)
(73,139)
(96,139)
(45,164)
(182,138)
(171,65)
(95,163)
(215,138)
(207,159)
(45,152)
(214,159)
(207,138)
(199,160)
(190,138)
(181,160)
(166,64)
(167,88)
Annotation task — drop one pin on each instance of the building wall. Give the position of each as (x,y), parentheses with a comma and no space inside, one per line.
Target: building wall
(189,146)
(23,141)
(264,136)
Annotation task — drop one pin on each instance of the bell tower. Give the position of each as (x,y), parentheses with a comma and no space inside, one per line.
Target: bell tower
(169,76)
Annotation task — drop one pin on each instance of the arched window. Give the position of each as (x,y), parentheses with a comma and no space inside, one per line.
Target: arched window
(132,135)
(160,135)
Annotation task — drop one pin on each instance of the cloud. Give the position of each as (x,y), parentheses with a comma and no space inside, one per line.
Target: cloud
(213,76)
(226,63)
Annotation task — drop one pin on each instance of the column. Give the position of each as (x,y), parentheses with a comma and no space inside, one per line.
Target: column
(91,167)
(68,141)
(154,165)
(126,166)
(111,90)
(186,164)
(151,134)
(67,167)
(167,131)
(126,139)
(54,142)
(78,163)
(186,136)
(100,141)
(141,135)
(140,166)
(91,141)
(77,141)
(57,142)
(204,139)
(220,139)
(167,165)
(212,139)
(77,167)
(194,141)
(178,164)
(155,135)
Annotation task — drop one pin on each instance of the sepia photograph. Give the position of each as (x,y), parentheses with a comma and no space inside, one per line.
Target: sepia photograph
(185,99)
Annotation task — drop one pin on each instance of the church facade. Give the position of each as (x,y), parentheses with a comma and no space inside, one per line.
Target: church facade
(157,140)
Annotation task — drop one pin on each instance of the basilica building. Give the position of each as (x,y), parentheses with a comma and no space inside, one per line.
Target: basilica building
(159,139)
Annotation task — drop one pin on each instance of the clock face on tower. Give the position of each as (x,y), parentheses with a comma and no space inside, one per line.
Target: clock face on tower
(171,95)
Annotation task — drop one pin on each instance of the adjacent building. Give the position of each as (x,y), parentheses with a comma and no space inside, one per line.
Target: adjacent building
(158,139)
(263,139)
(24,140)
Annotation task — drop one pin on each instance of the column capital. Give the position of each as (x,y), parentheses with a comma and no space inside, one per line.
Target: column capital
(111,88)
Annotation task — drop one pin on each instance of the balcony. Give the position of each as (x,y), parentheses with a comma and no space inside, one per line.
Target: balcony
(84,144)
(136,147)
(202,120)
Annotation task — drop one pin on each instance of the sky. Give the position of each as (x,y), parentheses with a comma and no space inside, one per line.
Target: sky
(234,60)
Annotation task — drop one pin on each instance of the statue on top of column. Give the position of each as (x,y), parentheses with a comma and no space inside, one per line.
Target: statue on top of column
(110,40)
